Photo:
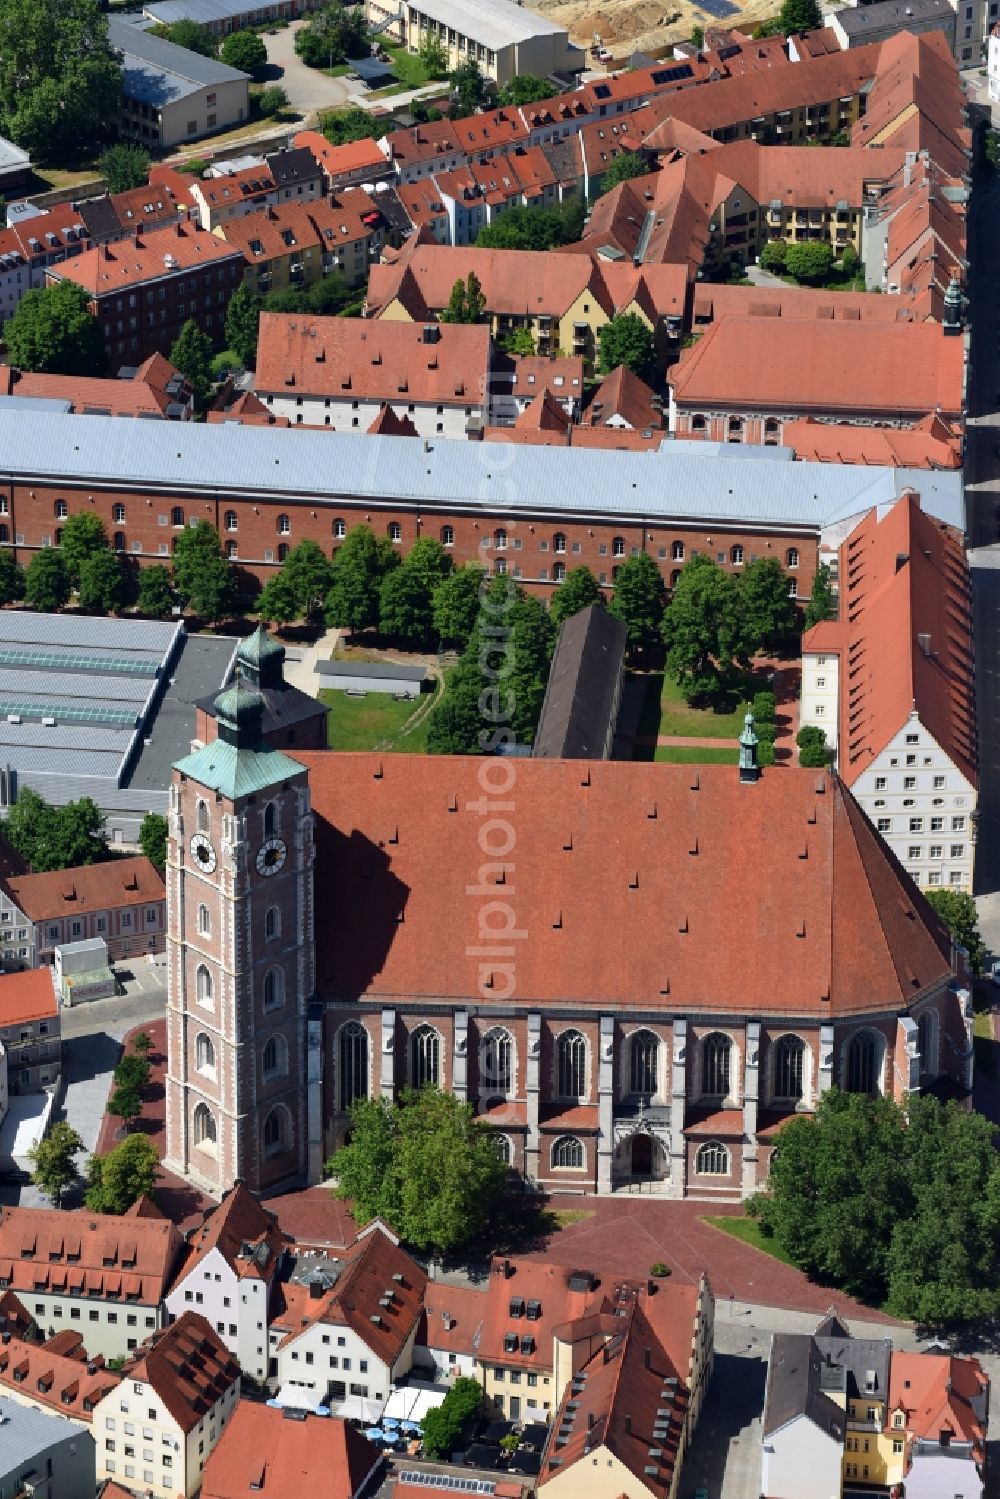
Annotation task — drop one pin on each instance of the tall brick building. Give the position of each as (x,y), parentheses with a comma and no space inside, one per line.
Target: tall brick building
(598,959)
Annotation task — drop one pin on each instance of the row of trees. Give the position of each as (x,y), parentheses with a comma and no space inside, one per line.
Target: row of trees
(717,621)
(113,1181)
(898,1204)
(130,1081)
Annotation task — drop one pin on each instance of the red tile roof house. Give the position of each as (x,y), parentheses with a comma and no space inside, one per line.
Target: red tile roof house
(262,1452)
(30,1029)
(338,372)
(891,682)
(57,1375)
(229,1275)
(941,1405)
(105,1276)
(347,1344)
(890,375)
(151,389)
(157,1430)
(123,901)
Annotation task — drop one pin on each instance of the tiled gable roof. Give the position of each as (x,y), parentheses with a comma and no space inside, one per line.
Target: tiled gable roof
(187,1366)
(119,1259)
(132,881)
(243,1231)
(56,1375)
(262,1452)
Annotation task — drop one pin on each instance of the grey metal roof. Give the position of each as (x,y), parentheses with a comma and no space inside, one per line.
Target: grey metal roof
(158,73)
(582,690)
(492,23)
(26,1433)
(887,13)
(389,670)
(12,158)
(204,12)
(72,687)
(707,482)
(23,626)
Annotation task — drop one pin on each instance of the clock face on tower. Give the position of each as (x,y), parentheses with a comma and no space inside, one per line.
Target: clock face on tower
(271,856)
(203,853)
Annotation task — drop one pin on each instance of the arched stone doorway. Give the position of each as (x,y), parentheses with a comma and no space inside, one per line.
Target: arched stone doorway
(641,1158)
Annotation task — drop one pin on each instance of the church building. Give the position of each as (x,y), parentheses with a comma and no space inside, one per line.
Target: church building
(637,972)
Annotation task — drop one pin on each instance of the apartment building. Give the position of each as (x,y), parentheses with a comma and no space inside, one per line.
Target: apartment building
(143,290)
(30,1030)
(157,1430)
(56,1375)
(115,216)
(349,165)
(891,682)
(152,389)
(339,372)
(217,199)
(859,25)
(104,1276)
(171,94)
(297,244)
(44,1455)
(498,35)
(124,902)
(229,1275)
(936,1423)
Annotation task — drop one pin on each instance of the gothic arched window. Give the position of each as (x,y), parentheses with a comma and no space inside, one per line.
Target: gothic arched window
(571,1065)
(353,1063)
(716,1058)
(425,1057)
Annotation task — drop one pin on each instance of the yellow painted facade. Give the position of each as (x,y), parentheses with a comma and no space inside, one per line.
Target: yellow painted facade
(295,265)
(867,1447)
(511,1390)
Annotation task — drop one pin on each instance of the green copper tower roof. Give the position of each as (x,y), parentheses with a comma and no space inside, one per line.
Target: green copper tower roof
(749,769)
(260,659)
(239,762)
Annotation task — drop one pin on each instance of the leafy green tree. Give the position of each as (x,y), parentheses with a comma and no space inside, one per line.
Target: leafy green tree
(334,296)
(427,559)
(124,167)
(202,575)
(813,751)
(405,609)
(53,330)
(195,166)
(577,591)
(444,1425)
(466,303)
(957,910)
(849,260)
(354,124)
(627,339)
(55,837)
(764,707)
(455,604)
(800,15)
(191,353)
(276,601)
(358,569)
(189,35)
(271,101)
(11,577)
(425,1165)
(309,573)
(639,600)
(60,78)
(102,584)
(242,320)
(768,612)
(46,584)
(698,37)
(703,629)
(821,601)
(622,168)
(142,1043)
(434,55)
(83,536)
(773,255)
(334,33)
(531,228)
(125,1103)
(525,88)
(244,50)
(470,89)
(156,595)
(132,1071)
(521,341)
(52,1156)
(457,721)
(810,262)
(153,839)
(116,1180)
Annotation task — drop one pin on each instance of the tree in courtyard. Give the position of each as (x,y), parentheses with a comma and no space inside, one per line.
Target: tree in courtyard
(810,262)
(244,50)
(768,611)
(957,910)
(470,90)
(821,600)
(521,341)
(11,577)
(203,576)
(153,839)
(455,604)
(52,1156)
(466,304)
(125,1103)
(639,600)
(525,88)
(577,591)
(116,1180)
(54,332)
(60,78)
(46,584)
(800,15)
(355,124)
(773,255)
(534,228)
(359,567)
(190,36)
(83,536)
(102,584)
(156,594)
(308,573)
(813,750)
(703,629)
(622,168)
(123,167)
(425,1165)
(191,353)
(434,55)
(444,1426)
(242,322)
(627,339)
(406,595)
(55,837)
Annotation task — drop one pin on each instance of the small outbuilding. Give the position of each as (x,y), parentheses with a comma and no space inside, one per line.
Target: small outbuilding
(361,677)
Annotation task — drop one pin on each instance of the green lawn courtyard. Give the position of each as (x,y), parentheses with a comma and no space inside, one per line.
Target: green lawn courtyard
(379,721)
(665,714)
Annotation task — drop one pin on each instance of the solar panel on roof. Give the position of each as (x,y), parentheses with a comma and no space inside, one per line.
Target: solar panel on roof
(12,655)
(82,712)
(672,75)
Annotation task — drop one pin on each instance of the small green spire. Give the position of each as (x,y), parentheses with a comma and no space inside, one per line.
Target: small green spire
(260,659)
(239,713)
(749,769)
(952,319)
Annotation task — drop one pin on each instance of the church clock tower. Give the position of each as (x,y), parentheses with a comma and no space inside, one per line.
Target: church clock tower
(240,959)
